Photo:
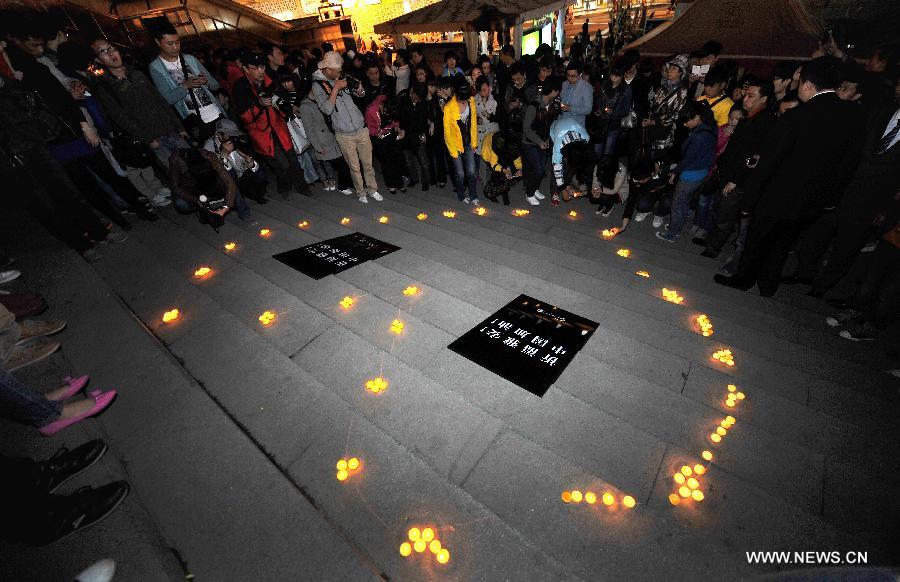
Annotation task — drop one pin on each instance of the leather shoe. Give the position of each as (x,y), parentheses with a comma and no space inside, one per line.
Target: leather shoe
(709,254)
(732,282)
(65,464)
(817,293)
(700,242)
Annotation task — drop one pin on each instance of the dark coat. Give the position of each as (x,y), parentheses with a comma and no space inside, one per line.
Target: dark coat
(810,161)
(413,120)
(877,177)
(263,124)
(748,140)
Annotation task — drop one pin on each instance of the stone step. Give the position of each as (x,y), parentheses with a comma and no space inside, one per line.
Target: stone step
(577,238)
(818,393)
(338,350)
(299,424)
(752,460)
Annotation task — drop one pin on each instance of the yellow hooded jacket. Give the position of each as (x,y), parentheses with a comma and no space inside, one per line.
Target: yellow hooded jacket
(452,133)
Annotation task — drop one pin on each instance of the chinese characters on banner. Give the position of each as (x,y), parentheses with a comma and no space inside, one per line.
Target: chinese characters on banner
(527,342)
(332,256)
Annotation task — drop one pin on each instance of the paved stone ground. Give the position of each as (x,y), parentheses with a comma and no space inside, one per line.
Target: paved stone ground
(229,431)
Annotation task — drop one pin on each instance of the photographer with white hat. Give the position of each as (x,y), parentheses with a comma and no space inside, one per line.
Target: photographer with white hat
(333,96)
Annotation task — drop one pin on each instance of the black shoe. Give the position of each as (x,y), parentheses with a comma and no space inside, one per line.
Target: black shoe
(149,216)
(732,282)
(839,303)
(410,185)
(80,510)
(795,279)
(709,254)
(441,184)
(263,200)
(424,187)
(817,293)
(65,464)
(403,189)
(286,194)
(699,241)
(5,261)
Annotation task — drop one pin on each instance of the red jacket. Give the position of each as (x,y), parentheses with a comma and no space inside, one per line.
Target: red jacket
(263,124)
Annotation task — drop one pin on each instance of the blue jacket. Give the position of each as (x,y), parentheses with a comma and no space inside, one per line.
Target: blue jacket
(447,73)
(698,152)
(174,94)
(564,131)
(579,98)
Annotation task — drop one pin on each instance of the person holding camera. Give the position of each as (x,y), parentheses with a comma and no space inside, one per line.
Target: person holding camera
(236,155)
(185,84)
(536,138)
(256,101)
(336,104)
(202,185)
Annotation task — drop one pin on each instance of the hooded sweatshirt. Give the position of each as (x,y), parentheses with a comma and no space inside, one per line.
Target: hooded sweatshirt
(345,115)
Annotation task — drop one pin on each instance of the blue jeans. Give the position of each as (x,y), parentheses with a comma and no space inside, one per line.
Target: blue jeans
(681,205)
(703,217)
(465,171)
(608,147)
(22,404)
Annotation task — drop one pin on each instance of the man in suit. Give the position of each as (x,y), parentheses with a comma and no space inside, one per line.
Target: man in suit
(871,190)
(804,171)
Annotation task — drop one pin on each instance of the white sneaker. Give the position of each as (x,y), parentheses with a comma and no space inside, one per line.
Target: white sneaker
(640,216)
(7,276)
(363,199)
(376,196)
(346,191)
(537,194)
(467,200)
(533,200)
(657,221)
(102,571)
(165,192)
(607,212)
(159,201)
(475,202)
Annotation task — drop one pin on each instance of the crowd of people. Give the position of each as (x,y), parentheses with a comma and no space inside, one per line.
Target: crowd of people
(803,160)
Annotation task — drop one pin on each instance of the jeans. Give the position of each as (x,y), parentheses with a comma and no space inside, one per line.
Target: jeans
(535,167)
(309,168)
(681,205)
(608,147)
(357,150)
(22,404)
(10,332)
(465,172)
(417,164)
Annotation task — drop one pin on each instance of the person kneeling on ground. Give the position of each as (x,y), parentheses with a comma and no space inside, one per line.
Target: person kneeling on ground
(572,158)
(502,154)
(610,187)
(202,185)
(236,155)
(646,193)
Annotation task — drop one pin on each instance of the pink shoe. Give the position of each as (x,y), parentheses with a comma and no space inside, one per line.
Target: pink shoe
(75,385)
(101,401)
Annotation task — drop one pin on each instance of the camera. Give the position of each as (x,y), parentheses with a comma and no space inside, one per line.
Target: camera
(353,84)
(207,212)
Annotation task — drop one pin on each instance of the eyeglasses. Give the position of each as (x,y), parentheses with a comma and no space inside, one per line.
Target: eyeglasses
(107,51)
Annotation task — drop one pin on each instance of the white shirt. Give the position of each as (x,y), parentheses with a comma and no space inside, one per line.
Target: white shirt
(208,110)
(890,126)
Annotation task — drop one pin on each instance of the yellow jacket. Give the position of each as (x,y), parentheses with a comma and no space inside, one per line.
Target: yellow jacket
(490,156)
(452,134)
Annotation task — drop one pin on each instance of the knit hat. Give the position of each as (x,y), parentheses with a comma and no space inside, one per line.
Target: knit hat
(331,60)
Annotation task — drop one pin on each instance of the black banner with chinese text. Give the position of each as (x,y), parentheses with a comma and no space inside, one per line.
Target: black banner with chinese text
(527,342)
(332,256)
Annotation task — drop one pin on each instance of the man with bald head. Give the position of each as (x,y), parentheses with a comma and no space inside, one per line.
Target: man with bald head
(133,103)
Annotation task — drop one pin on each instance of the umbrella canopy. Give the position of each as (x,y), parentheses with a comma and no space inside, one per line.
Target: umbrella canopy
(763,29)
(466,15)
